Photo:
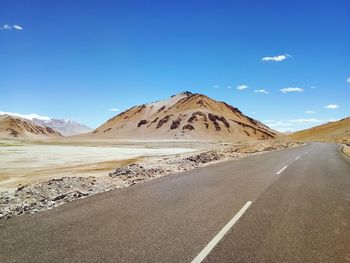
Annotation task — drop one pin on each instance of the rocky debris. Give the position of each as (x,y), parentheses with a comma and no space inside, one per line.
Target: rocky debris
(161,109)
(136,171)
(29,199)
(162,121)
(194,118)
(206,157)
(142,122)
(143,106)
(175,124)
(188,127)
(267,146)
(215,118)
(33,198)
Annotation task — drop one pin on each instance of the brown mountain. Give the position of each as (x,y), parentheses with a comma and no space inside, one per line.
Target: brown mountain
(338,131)
(183,116)
(15,127)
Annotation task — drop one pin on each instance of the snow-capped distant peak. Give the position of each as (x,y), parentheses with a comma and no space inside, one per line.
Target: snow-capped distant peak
(30,116)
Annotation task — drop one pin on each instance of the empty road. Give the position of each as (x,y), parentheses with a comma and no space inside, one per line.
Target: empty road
(285,206)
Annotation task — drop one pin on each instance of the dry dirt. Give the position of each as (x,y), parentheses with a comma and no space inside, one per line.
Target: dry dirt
(346,149)
(46,194)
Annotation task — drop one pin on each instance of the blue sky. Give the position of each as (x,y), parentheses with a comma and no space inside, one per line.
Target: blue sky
(79,59)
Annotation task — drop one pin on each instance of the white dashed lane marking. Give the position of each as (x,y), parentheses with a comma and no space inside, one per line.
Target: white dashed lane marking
(280,171)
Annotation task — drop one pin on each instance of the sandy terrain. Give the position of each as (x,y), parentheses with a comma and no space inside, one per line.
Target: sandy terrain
(26,163)
(346,149)
(43,176)
(338,131)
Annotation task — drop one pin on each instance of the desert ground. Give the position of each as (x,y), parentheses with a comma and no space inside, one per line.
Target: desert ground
(26,162)
(39,175)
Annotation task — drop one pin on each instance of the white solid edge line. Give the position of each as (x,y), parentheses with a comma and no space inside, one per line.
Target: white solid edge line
(280,171)
(297,158)
(202,255)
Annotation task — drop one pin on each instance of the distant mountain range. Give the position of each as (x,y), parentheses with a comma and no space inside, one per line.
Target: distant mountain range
(183,116)
(16,127)
(65,127)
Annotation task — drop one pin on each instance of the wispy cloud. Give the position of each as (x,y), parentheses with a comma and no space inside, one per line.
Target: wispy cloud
(10,27)
(242,87)
(30,116)
(17,27)
(216,86)
(279,124)
(331,106)
(114,109)
(310,112)
(276,58)
(268,121)
(261,91)
(229,87)
(306,121)
(348,80)
(6,27)
(295,124)
(312,87)
(291,89)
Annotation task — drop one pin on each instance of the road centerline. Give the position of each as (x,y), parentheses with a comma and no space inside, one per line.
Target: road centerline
(202,255)
(280,171)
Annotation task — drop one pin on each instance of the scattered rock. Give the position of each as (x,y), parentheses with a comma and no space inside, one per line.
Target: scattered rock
(29,199)
(188,127)
(142,122)
(205,157)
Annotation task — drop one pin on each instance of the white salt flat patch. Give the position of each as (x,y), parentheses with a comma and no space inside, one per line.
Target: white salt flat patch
(30,161)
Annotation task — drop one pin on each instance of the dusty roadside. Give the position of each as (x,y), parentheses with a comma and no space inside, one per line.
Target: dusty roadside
(32,198)
(346,149)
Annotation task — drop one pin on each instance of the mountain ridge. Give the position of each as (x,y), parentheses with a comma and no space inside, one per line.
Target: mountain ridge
(337,131)
(185,115)
(16,127)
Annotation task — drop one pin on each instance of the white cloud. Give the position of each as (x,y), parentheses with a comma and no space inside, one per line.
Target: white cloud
(286,130)
(333,120)
(26,116)
(17,27)
(9,27)
(229,87)
(306,121)
(331,106)
(310,112)
(6,27)
(216,86)
(268,121)
(312,87)
(279,124)
(291,89)
(276,58)
(296,124)
(242,87)
(348,80)
(261,91)
(113,109)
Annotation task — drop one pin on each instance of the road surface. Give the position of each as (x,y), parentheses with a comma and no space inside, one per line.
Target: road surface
(285,206)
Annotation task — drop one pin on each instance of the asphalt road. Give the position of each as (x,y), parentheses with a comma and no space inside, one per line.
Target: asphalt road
(300,212)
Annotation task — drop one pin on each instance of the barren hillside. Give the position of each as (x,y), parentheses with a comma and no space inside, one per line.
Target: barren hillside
(183,116)
(338,131)
(15,127)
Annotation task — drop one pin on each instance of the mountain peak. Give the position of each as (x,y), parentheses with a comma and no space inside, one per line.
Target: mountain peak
(185,115)
(17,127)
